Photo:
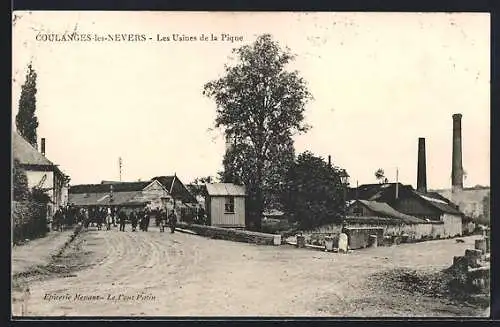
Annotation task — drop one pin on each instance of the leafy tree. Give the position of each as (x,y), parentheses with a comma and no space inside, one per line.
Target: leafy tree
(20,182)
(26,121)
(380,175)
(314,192)
(260,106)
(197,186)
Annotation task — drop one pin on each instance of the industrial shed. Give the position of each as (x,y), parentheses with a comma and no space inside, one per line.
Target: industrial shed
(225,205)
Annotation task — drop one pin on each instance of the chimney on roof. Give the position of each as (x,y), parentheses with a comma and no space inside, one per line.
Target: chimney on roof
(329,160)
(43,146)
(457,178)
(421,168)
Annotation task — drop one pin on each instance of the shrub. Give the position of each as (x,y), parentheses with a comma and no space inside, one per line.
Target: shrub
(29,220)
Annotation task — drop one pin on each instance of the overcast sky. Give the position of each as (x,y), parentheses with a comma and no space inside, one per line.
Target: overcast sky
(379,80)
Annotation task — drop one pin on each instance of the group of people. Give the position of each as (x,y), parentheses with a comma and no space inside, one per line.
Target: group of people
(67,216)
(142,218)
(112,216)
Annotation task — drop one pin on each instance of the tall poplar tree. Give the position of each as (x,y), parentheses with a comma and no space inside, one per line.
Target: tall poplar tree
(26,120)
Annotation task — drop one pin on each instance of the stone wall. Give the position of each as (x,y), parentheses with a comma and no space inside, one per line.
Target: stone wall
(230,234)
(359,237)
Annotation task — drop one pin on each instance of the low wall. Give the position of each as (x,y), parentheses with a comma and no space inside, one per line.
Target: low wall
(230,234)
(359,236)
(413,232)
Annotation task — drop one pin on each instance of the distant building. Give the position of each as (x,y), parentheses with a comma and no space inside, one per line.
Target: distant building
(40,171)
(181,194)
(121,194)
(472,201)
(365,208)
(134,194)
(225,205)
(405,199)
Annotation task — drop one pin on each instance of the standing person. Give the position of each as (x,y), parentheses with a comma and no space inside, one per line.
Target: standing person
(109,219)
(57,220)
(140,219)
(161,219)
(121,218)
(172,221)
(147,216)
(114,212)
(133,220)
(86,216)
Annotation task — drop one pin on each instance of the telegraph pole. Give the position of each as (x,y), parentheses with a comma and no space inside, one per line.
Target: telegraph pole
(120,167)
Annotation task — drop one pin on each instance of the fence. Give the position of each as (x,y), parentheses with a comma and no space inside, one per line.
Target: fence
(29,220)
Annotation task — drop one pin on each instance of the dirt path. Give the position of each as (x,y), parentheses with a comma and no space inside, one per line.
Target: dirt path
(163,274)
(38,251)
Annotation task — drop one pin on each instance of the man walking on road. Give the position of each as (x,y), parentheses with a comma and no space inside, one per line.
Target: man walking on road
(172,221)
(133,220)
(122,217)
(109,219)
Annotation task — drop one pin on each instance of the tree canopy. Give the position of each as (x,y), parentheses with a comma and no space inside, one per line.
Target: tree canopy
(26,120)
(314,192)
(260,106)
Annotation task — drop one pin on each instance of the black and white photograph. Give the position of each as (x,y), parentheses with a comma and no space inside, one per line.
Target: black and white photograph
(250,164)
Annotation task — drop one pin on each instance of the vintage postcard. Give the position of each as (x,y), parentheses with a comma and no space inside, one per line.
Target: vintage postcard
(258,164)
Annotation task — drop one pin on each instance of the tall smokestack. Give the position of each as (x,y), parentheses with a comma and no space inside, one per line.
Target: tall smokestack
(43,146)
(421,168)
(329,160)
(457,175)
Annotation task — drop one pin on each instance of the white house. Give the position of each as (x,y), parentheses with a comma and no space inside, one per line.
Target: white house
(40,171)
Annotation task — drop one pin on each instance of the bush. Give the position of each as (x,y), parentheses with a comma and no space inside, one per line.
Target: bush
(29,220)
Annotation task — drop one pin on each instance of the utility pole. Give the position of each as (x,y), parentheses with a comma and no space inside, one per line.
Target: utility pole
(120,167)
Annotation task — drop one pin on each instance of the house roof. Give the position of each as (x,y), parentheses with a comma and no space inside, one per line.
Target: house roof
(438,203)
(105,188)
(103,198)
(386,193)
(23,151)
(225,189)
(386,210)
(176,188)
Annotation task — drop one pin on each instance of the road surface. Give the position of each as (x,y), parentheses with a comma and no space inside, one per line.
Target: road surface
(113,273)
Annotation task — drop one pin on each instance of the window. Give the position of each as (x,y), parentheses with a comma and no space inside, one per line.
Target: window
(229,205)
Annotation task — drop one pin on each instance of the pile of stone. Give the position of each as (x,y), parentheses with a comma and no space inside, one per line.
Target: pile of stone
(472,271)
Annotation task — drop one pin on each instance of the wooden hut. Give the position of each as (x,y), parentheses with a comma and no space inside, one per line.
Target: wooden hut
(225,205)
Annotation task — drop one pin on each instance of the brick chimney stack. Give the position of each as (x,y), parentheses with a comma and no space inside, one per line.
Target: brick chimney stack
(421,167)
(43,146)
(457,175)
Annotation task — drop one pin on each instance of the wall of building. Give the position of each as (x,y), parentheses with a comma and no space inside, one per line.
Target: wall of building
(219,218)
(452,225)
(34,177)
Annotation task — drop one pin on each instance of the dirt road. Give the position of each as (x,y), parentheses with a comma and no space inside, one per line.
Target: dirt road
(161,274)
